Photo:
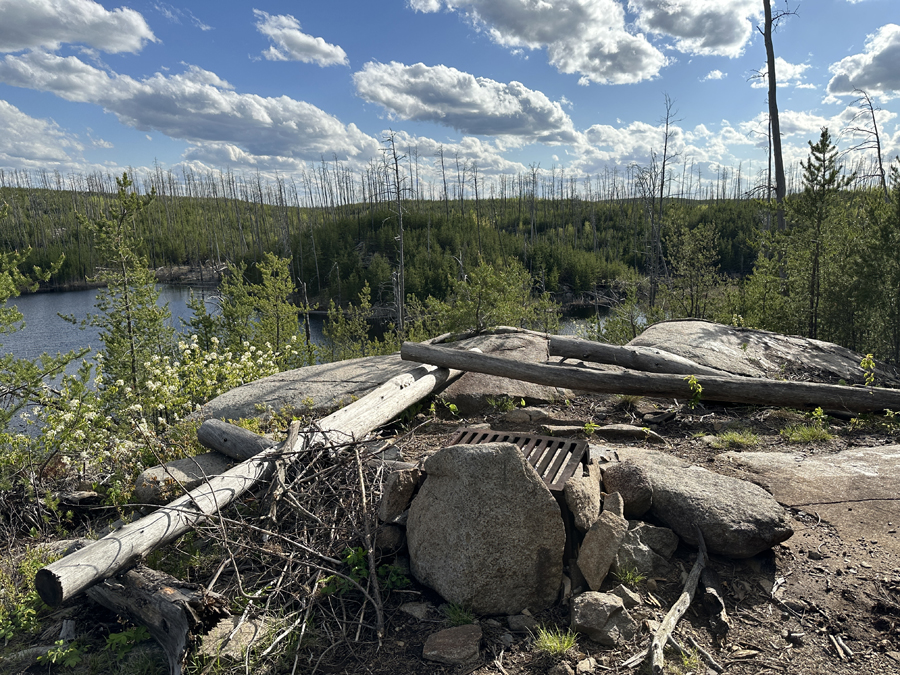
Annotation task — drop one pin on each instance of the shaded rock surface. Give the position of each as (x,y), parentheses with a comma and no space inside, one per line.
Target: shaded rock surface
(398,492)
(324,387)
(158,484)
(646,549)
(485,532)
(759,353)
(455,646)
(603,618)
(738,519)
(598,550)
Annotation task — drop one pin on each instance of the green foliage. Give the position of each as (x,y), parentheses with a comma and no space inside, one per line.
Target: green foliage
(492,295)
(627,319)
(590,428)
(629,576)
(806,433)
(457,615)
(65,654)
(347,331)
(20,605)
(868,366)
(554,640)
(357,562)
(122,643)
(694,277)
(696,390)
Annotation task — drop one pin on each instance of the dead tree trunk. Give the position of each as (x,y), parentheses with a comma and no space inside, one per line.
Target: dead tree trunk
(636,358)
(121,549)
(749,390)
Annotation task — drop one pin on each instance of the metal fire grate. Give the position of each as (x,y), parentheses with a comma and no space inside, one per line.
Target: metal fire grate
(555,459)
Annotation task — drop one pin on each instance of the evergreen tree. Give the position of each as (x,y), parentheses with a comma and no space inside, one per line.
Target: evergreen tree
(133,326)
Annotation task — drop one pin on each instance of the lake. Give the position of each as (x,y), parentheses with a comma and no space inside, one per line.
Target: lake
(46,332)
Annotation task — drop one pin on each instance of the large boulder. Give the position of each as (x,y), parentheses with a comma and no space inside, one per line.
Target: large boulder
(485,532)
(737,518)
(630,481)
(759,353)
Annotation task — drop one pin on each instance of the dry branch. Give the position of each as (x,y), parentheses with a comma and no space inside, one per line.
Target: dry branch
(121,549)
(648,359)
(749,390)
(232,441)
(678,609)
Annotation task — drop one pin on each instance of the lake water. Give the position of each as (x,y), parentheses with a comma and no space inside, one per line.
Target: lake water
(46,332)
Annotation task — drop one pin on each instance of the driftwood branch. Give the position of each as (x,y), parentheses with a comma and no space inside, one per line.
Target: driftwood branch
(678,609)
(749,390)
(121,549)
(648,359)
(171,610)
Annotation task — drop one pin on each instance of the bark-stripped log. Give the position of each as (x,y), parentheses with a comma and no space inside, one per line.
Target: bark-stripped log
(121,549)
(647,359)
(232,441)
(749,390)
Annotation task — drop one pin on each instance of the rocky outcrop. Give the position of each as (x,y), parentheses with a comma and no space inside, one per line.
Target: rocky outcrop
(737,518)
(159,484)
(485,532)
(759,353)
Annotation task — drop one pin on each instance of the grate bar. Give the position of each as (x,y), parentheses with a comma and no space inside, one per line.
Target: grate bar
(555,459)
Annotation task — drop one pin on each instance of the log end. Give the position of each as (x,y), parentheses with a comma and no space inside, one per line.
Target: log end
(49,587)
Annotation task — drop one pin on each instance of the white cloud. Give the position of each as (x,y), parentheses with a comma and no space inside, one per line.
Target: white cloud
(487,155)
(291,44)
(33,143)
(585,37)
(714,75)
(786,75)
(50,23)
(174,15)
(704,27)
(196,106)
(469,104)
(875,70)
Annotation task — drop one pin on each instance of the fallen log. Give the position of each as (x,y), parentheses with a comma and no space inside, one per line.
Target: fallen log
(232,441)
(121,549)
(648,359)
(748,390)
(172,610)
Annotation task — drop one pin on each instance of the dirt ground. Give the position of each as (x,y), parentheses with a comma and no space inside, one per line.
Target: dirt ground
(783,605)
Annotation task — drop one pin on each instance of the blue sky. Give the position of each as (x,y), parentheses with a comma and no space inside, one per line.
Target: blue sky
(580,85)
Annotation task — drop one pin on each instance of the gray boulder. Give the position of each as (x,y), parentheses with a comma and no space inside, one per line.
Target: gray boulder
(582,495)
(161,483)
(598,550)
(646,549)
(485,532)
(738,519)
(603,618)
(630,481)
(759,353)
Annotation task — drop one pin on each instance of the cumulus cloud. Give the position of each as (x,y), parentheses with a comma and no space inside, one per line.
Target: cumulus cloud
(713,75)
(703,27)
(487,155)
(585,37)
(50,23)
(33,143)
(875,70)
(787,75)
(196,106)
(291,44)
(469,104)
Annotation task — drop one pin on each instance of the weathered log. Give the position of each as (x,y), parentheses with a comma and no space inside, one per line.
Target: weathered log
(677,611)
(749,390)
(647,359)
(121,549)
(232,441)
(172,610)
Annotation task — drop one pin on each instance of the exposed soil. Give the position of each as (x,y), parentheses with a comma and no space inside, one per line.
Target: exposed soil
(783,604)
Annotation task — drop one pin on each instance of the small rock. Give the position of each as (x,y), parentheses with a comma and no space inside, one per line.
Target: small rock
(618,432)
(453,646)
(613,503)
(417,610)
(586,666)
(659,417)
(582,495)
(629,597)
(521,623)
(561,668)
(493,623)
(217,644)
(398,492)
(603,618)
(598,550)
(507,639)
(389,539)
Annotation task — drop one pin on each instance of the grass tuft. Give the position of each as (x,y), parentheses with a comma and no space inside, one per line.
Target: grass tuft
(458,615)
(629,576)
(555,641)
(736,438)
(805,433)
